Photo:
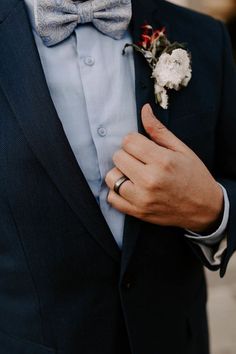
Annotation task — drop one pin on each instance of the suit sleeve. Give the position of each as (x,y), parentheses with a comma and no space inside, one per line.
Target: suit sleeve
(214,245)
(225,154)
(225,157)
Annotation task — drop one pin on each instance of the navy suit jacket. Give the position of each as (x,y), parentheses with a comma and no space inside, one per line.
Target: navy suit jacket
(65,287)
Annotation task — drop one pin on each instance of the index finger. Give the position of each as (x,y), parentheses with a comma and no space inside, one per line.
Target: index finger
(142,148)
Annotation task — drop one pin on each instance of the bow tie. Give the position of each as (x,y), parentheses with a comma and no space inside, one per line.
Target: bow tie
(57,19)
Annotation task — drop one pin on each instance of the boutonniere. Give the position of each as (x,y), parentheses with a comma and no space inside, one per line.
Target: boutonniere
(170,62)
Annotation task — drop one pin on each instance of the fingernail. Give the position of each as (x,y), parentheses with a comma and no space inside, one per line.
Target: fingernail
(149,108)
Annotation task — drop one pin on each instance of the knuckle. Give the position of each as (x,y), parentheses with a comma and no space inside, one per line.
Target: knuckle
(126,140)
(139,214)
(116,155)
(144,206)
(167,161)
(109,198)
(129,138)
(151,182)
(149,202)
(158,131)
(161,127)
(107,178)
(110,175)
(161,181)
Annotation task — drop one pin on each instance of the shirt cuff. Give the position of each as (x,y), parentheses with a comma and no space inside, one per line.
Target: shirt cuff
(220,233)
(214,257)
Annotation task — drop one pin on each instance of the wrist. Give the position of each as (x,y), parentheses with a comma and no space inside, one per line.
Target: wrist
(212,212)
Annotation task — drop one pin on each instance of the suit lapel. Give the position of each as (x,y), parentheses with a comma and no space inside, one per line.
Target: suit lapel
(23,83)
(144,86)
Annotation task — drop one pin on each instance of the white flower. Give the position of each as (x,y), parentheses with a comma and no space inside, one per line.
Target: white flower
(162,96)
(173,71)
(169,71)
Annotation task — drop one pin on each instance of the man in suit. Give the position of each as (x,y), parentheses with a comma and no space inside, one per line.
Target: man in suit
(77,275)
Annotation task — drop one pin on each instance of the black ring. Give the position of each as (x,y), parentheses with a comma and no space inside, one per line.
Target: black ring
(119,183)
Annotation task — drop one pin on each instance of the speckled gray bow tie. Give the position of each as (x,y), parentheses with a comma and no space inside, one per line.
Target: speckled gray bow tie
(56,19)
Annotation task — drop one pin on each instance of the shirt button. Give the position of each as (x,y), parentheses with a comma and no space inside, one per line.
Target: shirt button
(89,61)
(102,131)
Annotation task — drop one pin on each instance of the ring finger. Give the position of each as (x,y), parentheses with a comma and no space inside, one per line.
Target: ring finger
(126,190)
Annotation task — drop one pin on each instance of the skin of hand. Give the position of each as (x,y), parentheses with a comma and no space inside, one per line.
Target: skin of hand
(168,184)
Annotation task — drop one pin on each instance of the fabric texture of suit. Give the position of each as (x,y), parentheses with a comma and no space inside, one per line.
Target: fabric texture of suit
(65,287)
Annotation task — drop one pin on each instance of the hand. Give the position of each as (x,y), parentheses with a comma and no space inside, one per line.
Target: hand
(168,184)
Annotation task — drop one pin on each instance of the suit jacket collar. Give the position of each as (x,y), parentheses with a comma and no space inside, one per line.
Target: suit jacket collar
(24,84)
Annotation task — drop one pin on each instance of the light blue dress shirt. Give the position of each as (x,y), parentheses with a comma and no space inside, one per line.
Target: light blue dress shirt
(93,89)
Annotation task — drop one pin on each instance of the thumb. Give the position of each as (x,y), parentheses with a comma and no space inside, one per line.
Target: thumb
(158,132)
